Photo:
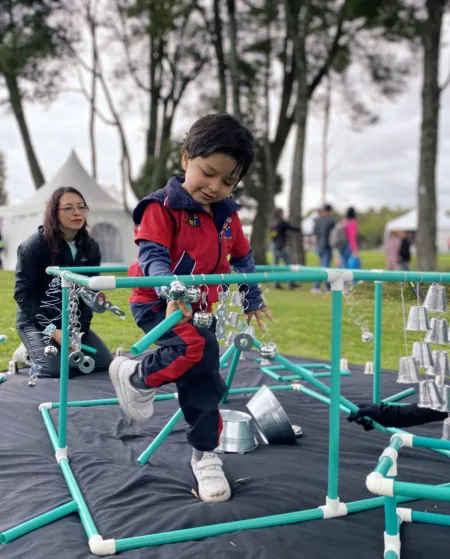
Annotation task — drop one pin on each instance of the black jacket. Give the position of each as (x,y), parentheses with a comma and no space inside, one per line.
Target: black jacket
(32,281)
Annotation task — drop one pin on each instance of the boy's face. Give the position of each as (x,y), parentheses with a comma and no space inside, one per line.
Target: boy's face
(209,179)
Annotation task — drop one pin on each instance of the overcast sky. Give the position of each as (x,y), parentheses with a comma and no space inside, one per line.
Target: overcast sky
(371,168)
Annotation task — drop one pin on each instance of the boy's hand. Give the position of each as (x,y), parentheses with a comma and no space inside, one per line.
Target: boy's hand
(259,314)
(172,306)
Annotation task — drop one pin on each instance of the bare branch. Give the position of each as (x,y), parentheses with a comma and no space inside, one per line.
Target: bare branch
(446,83)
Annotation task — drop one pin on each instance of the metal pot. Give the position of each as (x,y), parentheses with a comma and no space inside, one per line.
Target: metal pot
(270,418)
(238,434)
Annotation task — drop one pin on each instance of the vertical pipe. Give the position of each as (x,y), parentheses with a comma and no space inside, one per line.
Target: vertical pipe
(333,453)
(231,373)
(64,369)
(377,342)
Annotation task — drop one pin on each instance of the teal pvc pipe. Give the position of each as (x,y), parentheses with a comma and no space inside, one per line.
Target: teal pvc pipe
(231,373)
(268,372)
(228,353)
(327,375)
(50,428)
(64,370)
(395,431)
(391,555)
(35,523)
(71,277)
(421,491)
(217,529)
(429,442)
(390,515)
(335,394)
(105,402)
(430,518)
(160,438)
(89,349)
(385,462)
(86,518)
(273,367)
(96,269)
(277,388)
(399,396)
(151,337)
(378,314)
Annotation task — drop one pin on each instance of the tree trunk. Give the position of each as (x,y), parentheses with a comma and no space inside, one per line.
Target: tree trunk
(234,70)
(298,26)
(15,99)
(92,116)
(426,229)
(259,229)
(218,47)
(154,96)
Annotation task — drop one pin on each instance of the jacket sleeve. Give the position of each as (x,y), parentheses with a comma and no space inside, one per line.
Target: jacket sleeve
(154,260)
(27,270)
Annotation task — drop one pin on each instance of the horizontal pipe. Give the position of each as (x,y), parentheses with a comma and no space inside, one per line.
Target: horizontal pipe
(421,491)
(151,337)
(38,522)
(89,349)
(105,402)
(395,430)
(399,396)
(95,269)
(430,518)
(430,442)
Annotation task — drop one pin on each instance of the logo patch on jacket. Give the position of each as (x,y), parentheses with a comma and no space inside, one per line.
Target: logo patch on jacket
(227,229)
(193,220)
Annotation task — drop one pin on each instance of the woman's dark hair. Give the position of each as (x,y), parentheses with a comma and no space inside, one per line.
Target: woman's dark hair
(351,214)
(52,231)
(221,133)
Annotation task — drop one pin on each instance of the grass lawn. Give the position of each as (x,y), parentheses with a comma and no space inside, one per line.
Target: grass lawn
(301,326)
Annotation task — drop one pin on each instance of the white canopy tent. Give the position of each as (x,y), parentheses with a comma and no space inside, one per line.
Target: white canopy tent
(109,223)
(408,222)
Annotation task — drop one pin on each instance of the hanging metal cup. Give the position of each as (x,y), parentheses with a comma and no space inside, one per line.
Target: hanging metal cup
(441,366)
(438,333)
(429,395)
(436,299)
(368,368)
(408,372)
(418,320)
(421,352)
(445,392)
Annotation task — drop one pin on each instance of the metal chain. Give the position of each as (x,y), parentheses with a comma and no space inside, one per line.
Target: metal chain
(74,320)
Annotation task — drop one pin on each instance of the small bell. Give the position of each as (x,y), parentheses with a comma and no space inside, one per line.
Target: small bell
(438,333)
(193,294)
(50,351)
(268,350)
(177,291)
(421,352)
(366,336)
(202,319)
(436,299)
(408,372)
(418,320)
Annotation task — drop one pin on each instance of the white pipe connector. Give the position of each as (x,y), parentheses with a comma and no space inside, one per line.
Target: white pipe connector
(393,455)
(101,547)
(379,485)
(333,508)
(102,283)
(61,454)
(45,406)
(406,438)
(404,514)
(337,278)
(296,386)
(65,283)
(392,543)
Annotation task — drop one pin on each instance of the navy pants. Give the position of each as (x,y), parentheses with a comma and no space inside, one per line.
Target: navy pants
(188,356)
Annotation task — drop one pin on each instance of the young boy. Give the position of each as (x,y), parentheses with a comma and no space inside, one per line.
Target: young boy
(191,226)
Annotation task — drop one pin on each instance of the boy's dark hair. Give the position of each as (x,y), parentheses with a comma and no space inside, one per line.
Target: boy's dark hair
(221,133)
(328,208)
(351,213)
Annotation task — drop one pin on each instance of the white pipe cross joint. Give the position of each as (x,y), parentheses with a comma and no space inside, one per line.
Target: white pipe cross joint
(333,508)
(338,278)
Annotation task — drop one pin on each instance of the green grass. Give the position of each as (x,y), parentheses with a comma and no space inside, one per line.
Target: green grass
(301,326)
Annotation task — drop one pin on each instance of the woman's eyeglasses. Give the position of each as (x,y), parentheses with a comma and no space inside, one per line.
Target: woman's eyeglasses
(70,210)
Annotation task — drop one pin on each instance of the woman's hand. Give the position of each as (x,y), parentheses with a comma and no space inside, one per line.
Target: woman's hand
(172,306)
(259,314)
(57,337)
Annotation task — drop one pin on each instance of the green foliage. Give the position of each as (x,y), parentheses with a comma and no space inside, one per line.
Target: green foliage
(35,41)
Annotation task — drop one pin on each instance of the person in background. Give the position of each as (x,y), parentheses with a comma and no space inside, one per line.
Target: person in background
(392,251)
(409,415)
(1,250)
(279,235)
(404,252)
(63,240)
(351,232)
(323,226)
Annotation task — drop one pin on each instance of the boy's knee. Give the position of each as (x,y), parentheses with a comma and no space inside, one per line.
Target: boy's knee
(50,368)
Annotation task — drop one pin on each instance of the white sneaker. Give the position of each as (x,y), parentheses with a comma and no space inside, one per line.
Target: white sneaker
(316,290)
(136,403)
(20,355)
(212,483)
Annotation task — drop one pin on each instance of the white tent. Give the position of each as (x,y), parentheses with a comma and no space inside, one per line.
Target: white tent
(408,222)
(109,223)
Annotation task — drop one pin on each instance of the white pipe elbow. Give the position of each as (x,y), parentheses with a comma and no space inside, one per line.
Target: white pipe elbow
(100,547)
(379,485)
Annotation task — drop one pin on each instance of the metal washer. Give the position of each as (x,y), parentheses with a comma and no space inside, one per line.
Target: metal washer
(243,342)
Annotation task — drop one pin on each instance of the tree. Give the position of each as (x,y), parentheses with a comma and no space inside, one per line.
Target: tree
(3,175)
(430,31)
(34,35)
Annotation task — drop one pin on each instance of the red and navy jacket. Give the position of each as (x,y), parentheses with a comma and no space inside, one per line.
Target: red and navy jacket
(177,236)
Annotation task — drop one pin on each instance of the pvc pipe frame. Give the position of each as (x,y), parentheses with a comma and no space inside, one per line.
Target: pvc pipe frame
(335,400)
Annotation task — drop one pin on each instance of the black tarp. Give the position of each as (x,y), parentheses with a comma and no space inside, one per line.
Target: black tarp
(128,500)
